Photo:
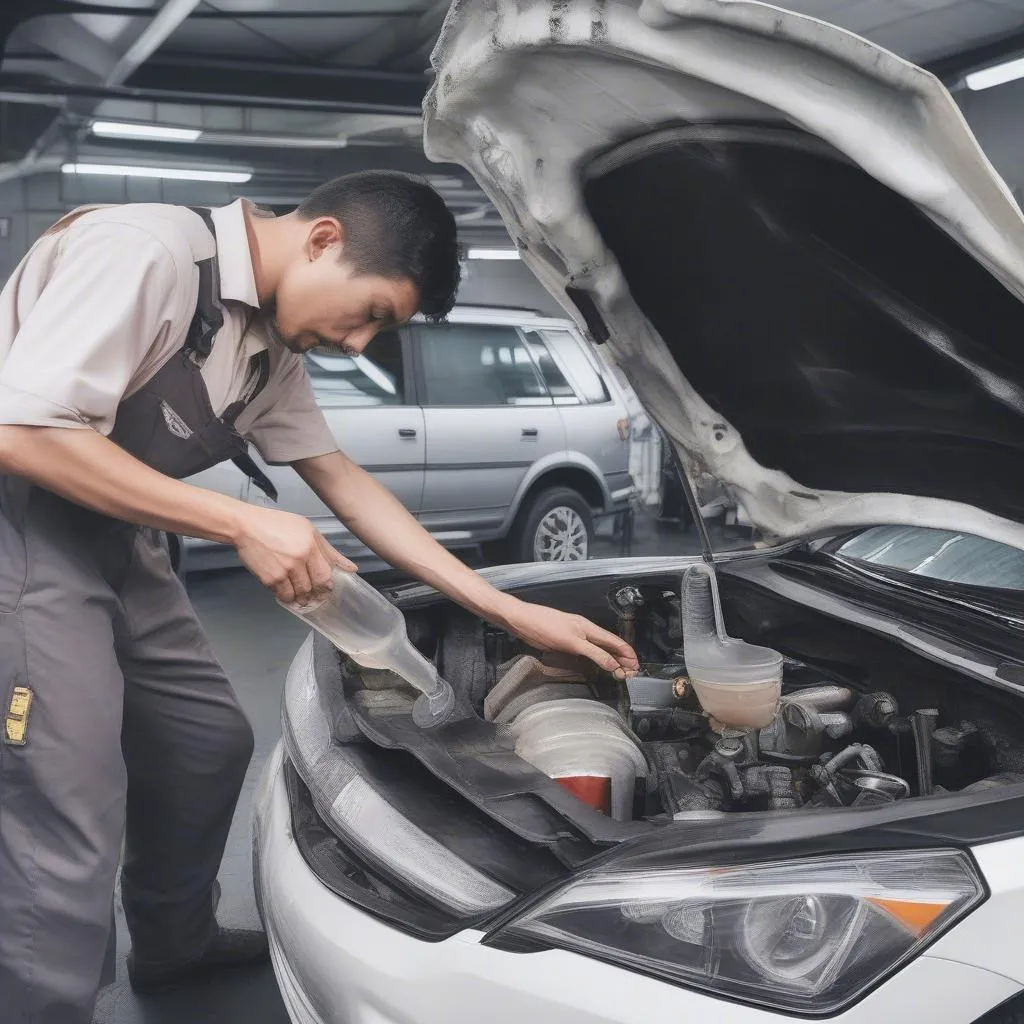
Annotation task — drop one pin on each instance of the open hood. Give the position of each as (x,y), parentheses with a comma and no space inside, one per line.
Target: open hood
(787,236)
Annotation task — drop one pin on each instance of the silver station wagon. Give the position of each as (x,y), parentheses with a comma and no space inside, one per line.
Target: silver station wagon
(499,428)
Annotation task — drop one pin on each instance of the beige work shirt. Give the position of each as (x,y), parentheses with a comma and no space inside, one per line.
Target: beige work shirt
(102,301)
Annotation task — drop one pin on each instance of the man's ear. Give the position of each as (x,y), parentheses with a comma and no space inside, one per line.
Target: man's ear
(324,234)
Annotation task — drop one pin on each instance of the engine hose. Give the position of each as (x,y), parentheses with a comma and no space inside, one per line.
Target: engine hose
(876,710)
(867,756)
(822,698)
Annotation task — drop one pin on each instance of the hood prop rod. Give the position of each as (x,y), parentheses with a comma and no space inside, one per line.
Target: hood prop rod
(707,551)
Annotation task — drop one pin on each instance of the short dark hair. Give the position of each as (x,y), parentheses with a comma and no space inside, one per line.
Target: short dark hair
(396,226)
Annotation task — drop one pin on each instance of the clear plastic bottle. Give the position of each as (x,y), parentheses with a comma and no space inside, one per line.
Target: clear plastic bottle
(365,625)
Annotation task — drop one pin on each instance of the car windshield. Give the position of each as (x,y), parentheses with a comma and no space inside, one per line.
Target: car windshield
(939,555)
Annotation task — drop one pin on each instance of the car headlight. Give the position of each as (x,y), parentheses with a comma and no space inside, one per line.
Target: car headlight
(362,818)
(806,935)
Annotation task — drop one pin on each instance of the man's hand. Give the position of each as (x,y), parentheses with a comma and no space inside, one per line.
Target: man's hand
(384,525)
(548,629)
(286,553)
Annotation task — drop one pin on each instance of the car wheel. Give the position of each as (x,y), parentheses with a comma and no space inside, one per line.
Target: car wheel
(557,526)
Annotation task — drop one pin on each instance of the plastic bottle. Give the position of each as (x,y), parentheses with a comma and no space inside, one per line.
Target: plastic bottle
(365,625)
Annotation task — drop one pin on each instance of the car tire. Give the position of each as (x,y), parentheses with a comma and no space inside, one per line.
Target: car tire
(557,522)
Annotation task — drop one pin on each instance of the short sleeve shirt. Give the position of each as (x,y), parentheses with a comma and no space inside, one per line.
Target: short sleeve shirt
(105,298)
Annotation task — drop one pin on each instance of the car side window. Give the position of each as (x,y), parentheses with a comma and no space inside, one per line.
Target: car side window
(478,365)
(568,371)
(376,377)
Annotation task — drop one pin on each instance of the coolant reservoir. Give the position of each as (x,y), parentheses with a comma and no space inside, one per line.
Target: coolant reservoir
(365,625)
(738,684)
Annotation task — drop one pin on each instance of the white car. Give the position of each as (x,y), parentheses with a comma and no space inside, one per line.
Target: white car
(794,248)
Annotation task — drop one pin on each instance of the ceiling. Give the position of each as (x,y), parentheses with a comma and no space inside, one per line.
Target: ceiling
(296,90)
(301,90)
(938,32)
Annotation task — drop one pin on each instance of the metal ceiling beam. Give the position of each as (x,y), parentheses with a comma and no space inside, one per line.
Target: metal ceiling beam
(163,22)
(16,12)
(152,37)
(333,104)
(327,87)
(21,169)
(231,81)
(182,63)
(72,42)
(390,38)
(236,15)
(68,7)
(30,99)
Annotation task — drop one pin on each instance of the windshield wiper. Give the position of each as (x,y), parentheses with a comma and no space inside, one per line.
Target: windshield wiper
(1003,605)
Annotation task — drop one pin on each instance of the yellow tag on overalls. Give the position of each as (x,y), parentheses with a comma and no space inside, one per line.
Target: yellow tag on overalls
(17,716)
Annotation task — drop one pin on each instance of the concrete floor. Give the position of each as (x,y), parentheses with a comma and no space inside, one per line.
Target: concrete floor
(255,641)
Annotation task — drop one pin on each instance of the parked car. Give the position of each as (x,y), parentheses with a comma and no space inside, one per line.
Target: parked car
(792,242)
(496,428)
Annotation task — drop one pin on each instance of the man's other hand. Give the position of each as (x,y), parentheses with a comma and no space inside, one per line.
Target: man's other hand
(548,629)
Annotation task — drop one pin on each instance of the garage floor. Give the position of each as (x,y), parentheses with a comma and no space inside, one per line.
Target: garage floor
(255,641)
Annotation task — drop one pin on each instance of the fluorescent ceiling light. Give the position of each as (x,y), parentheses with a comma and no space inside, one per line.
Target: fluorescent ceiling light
(275,141)
(493,254)
(173,173)
(166,133)
(998,74)
(124,130)
(442,181)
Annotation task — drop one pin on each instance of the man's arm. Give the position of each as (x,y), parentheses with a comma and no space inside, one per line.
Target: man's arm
(284,551)
(114,289)
(385,526)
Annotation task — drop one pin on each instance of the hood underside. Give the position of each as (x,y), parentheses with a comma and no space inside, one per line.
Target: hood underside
(789,238)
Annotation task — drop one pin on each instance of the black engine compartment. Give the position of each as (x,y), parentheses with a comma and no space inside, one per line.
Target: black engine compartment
(864,720)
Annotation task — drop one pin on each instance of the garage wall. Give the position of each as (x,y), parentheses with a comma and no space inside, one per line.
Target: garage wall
(20,222)
(31,204)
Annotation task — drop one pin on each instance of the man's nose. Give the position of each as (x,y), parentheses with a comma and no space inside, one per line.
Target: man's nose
(357,340)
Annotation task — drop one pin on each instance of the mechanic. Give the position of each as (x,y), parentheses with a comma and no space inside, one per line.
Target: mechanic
(139,345)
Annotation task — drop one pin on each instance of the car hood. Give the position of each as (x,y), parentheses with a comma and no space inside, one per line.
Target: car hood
(787,236)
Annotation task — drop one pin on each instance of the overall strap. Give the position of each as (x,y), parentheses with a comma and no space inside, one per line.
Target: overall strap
(247,464)
(206,322)
(208,318)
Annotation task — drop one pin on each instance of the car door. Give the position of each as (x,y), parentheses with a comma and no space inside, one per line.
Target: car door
(369,405)
(488,418)
(596,425)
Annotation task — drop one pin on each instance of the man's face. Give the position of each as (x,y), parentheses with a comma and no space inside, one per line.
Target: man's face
(321,300)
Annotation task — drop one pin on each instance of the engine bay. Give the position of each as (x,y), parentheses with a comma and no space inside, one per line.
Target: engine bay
(857,724)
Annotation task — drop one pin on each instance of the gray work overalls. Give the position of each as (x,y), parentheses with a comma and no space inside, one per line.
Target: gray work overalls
(131,728)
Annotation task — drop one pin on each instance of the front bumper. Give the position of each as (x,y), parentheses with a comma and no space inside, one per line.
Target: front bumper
(338,965)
